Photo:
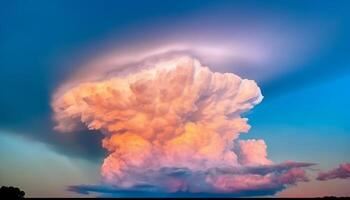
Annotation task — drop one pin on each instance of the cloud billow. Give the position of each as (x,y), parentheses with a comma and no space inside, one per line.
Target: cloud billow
(172,127)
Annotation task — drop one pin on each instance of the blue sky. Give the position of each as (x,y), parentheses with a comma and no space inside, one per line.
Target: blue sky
(303,74)
(316,127)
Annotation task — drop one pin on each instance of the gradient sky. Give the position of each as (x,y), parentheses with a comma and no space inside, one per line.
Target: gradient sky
(297,51)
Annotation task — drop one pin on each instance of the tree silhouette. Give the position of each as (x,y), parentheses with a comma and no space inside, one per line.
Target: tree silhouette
(11,192)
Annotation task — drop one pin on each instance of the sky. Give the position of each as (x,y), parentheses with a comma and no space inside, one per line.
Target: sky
(296,51)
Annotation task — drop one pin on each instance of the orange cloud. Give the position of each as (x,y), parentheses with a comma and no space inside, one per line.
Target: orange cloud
(171,113)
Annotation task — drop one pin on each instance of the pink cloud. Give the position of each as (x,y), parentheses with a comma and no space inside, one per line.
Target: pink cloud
(225,182)
(252,152)
(342,172)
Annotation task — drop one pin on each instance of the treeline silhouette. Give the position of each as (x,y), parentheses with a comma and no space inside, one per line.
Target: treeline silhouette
(11,192)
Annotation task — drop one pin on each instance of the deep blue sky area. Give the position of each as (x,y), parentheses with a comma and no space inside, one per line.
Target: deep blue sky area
(303,75)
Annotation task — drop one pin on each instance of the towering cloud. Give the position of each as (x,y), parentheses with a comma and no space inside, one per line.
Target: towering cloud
(173,125)
(342,171)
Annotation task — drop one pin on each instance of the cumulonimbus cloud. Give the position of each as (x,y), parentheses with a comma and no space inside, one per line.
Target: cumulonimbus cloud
(342,172)
(173,126)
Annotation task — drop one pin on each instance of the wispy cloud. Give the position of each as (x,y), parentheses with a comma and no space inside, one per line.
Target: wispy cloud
(341,172)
